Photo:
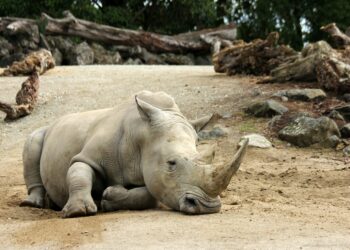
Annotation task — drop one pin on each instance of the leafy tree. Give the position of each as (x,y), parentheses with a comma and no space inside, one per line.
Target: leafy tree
(298,21)
(322,12)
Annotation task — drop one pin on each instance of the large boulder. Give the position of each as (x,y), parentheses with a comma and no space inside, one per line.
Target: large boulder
(65,45)
(23,34)
(5,47)
(306,131)
(303,94)
(56,53)
(103,56)
(82,54)
(62,45)
(6,53)
(267,108)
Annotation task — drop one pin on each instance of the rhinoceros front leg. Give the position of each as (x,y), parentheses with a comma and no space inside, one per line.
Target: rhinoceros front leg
(119,198)
(80,178)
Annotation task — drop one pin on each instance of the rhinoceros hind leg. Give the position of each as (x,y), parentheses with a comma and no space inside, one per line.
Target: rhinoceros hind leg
(31,169)
(119,198)
(80,178)
(35,198)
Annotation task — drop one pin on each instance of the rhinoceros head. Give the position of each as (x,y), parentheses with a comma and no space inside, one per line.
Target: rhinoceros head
(174,171)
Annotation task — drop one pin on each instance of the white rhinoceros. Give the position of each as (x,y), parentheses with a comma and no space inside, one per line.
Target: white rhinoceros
(127,157)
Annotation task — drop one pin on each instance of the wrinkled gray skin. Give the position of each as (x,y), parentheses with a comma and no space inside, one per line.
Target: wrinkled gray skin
(127,157)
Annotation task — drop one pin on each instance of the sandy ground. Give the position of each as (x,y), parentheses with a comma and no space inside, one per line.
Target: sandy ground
(282,197)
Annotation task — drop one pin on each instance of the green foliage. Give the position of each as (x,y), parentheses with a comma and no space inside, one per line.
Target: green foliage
(298,21)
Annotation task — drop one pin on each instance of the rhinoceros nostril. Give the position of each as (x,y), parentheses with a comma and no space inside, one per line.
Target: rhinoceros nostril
(190,202)
(171,163)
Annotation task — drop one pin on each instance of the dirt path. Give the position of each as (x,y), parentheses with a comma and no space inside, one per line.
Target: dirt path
(281,198)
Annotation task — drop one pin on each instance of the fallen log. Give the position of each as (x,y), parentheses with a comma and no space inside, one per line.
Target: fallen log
(302,66)
(25,22)
(317,62)
(40,60)
(26,99)
(258,57)
(333,74)
(340,40)
(182,43)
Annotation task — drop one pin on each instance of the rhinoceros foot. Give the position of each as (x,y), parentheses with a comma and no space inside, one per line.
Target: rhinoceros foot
(112,198)
(31,201)
(119,198)
(79,206)
(35,198)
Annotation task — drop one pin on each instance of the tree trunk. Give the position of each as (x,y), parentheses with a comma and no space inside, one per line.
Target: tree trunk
(317,62)
(191,42)
(301,67)
(334,75)
(26,99)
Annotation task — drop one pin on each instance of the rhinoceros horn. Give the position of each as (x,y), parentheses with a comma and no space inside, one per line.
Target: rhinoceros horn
(218,178)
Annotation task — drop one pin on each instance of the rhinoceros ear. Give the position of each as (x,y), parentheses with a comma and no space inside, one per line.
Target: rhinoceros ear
(200,123)
(147,111)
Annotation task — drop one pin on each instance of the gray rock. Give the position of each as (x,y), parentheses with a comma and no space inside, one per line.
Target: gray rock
(28,44)
(175,59)
(56,53)
(303,94)
(306,131)
(344,110)
(83,54)
(20,31)
(9,59)
(5,47)
(284,99)
(333,141)
(256,140)
(131,61)
(203,60)
(346,151)
(346,97)
(345,131)
(336,115)
(278,120)
(256,92)
(267,108)
(215,133)
(65,45)
(103,56)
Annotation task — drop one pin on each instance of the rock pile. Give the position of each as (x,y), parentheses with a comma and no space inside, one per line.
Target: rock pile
(305,129)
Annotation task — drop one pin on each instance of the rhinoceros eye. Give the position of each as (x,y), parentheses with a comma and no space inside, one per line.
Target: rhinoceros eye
(171,165)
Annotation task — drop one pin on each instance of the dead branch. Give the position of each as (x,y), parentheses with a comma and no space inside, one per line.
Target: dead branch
(26,99)
(301,67)
(339,39)
(258,57)
(40,60)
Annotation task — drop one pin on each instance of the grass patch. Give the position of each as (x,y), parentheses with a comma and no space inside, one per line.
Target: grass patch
(248,127)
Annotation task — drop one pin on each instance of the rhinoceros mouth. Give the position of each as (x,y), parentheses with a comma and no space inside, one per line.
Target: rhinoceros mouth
(191,203)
